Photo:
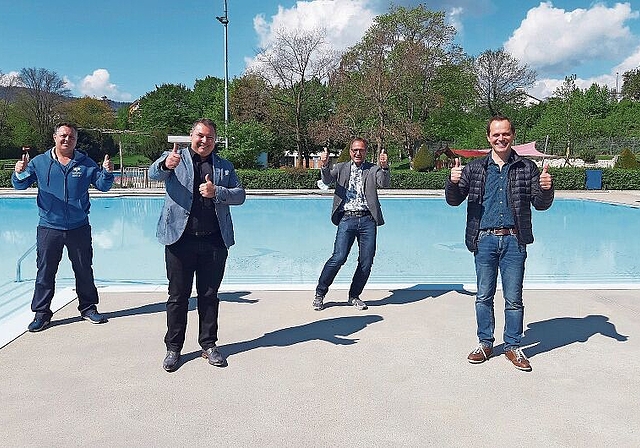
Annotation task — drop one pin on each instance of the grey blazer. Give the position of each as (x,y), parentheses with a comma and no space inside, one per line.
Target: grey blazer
(373,177)
(179,196)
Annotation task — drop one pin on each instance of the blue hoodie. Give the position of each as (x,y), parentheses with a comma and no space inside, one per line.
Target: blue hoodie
(63,191)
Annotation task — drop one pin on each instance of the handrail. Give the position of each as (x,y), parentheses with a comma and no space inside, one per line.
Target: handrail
(19,262)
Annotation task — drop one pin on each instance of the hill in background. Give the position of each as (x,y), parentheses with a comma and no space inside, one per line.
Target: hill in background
(11,94)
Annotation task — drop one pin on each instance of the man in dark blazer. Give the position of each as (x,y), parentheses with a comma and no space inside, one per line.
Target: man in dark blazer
(357,213)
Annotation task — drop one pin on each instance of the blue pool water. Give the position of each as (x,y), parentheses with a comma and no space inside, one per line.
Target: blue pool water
(287,240)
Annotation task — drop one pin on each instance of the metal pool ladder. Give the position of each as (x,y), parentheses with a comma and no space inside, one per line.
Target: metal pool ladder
(19,262)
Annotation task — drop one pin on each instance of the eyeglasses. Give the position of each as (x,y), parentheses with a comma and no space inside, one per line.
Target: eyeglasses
(354,150)
(209,137)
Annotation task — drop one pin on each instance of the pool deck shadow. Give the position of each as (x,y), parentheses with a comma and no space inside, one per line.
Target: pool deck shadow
(393,375)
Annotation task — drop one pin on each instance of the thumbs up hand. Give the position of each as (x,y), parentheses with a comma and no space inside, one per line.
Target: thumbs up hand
(456,172)
(545,178)
(383,159)
(21,164)
(107,164)
(207,188)
(324,157)
(173,159)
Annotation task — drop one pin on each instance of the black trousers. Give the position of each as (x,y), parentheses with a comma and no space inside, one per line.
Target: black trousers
(50,243)
(188,256)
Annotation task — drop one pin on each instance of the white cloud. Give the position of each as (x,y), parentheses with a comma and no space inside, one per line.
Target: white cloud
(7,79)
(97,85)
(344,20)
(554,41)
(630,63)
(454,18)
(68,84)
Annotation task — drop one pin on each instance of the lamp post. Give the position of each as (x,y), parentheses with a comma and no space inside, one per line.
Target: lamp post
(224,20)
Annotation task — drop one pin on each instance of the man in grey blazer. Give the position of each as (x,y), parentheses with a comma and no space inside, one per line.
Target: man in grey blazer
(196,228)
(357,213)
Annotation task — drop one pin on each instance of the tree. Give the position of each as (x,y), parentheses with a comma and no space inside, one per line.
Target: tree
(627,160)
(386,81)
(452,119)
(44,92)
(165,109)
(501,80)
(424,159)
(249,98)
(290,61)
(631,84)
(96,144)
(207,100)
(88,113)
(8,82)
(246,141)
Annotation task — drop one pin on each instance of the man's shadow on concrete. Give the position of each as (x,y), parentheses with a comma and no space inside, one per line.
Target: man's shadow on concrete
(407,295)
(551,334)
(334,331)
(161,307)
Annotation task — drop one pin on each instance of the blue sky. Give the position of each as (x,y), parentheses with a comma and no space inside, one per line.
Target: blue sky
(123,49)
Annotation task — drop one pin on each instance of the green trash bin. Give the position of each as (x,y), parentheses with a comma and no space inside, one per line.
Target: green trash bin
(593,179)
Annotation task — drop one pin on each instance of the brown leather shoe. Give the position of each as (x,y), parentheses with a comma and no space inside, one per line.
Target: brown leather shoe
(480,354)
(518,359)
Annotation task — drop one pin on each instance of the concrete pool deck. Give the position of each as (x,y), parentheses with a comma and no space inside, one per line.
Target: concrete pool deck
(393,375)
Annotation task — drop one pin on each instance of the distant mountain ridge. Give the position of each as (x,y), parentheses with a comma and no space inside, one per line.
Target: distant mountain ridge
(11,94)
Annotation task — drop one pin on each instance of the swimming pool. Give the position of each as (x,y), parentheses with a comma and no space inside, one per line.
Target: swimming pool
(287,240)
(283,242)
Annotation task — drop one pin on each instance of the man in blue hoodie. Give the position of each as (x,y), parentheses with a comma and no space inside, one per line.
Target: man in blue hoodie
(63,176)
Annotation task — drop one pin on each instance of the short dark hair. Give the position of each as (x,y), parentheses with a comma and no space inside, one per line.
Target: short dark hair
(360,139)
(500,118)
(67,124)
(207,122)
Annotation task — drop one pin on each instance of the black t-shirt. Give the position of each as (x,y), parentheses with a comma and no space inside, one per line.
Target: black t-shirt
(203,220)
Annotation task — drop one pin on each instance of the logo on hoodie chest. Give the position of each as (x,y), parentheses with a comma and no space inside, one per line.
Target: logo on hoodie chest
(76,171)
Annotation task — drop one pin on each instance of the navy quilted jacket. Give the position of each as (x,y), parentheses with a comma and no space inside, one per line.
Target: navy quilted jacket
(524,191)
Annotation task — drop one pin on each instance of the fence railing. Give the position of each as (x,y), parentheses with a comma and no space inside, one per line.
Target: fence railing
(136,177)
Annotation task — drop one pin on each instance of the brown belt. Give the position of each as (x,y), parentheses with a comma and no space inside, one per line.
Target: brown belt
(502,231)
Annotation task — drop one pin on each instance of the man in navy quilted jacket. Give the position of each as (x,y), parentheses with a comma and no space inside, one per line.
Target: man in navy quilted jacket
(500,188)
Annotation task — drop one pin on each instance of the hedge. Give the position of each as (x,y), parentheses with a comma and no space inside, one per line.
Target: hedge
(301,179)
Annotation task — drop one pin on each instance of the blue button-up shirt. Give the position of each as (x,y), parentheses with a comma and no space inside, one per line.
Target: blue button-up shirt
(496,212)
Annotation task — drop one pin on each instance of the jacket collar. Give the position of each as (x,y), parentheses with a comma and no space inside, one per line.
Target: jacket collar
(513,158)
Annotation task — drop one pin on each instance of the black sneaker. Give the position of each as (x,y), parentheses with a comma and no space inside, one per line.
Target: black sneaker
(39,323)
(318,303)
(214,356)
(171,360)
(356,302)
(94,317)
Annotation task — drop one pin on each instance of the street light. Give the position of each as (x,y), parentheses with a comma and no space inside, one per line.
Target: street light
(224,20)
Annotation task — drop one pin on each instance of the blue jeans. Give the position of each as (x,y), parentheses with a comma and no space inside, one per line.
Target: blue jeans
(504,253)
(50,243)
(350,229)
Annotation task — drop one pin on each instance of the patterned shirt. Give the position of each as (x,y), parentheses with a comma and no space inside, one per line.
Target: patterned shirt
(355,191)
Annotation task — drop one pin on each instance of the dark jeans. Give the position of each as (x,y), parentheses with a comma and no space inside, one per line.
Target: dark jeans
(50,243)
(350,229)
(502,253)
(188,256)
